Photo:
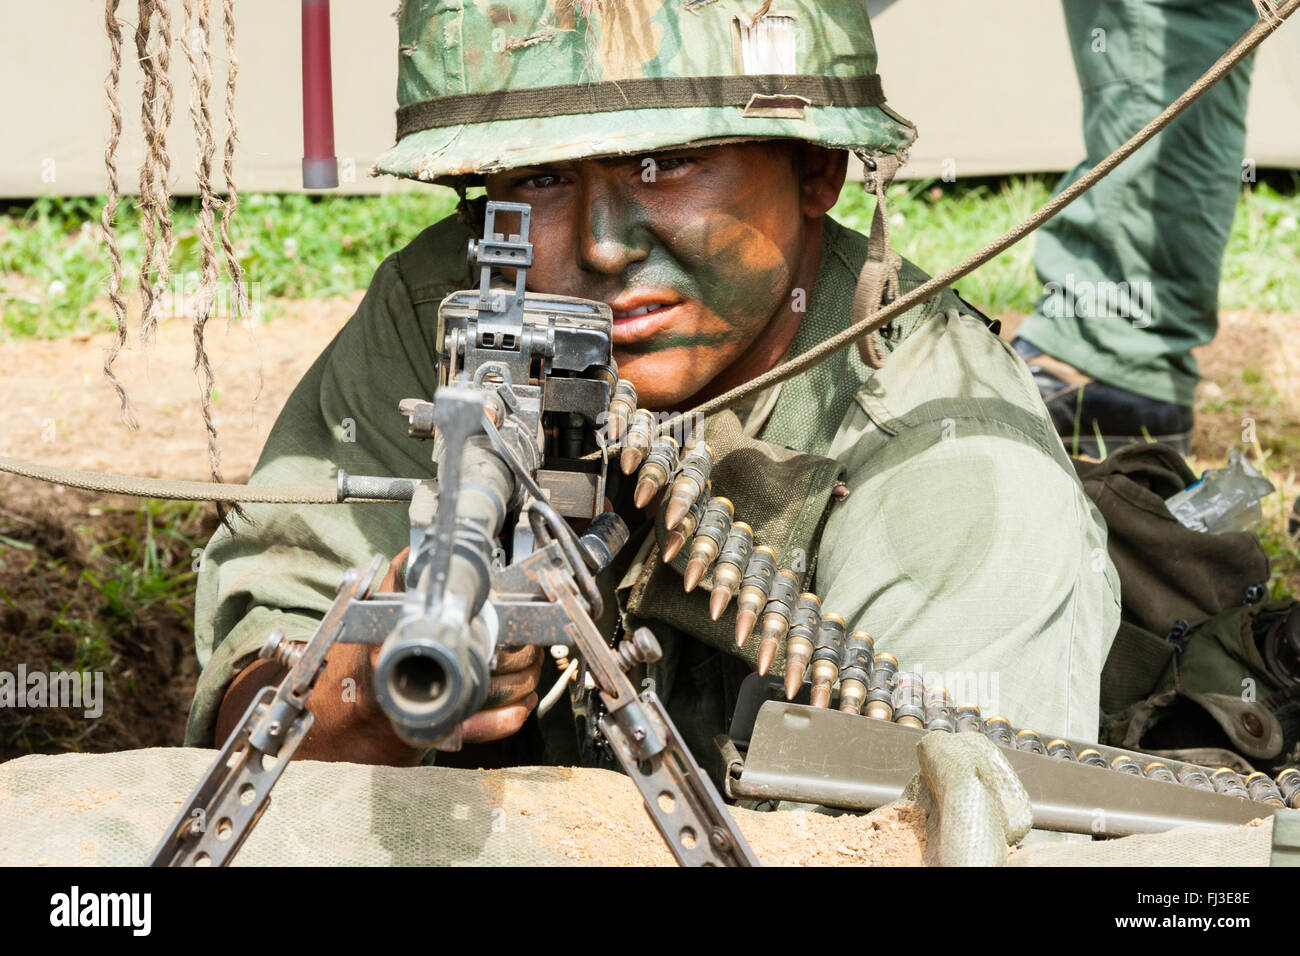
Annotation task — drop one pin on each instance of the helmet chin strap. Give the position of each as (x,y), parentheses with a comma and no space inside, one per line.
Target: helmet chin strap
(878,280)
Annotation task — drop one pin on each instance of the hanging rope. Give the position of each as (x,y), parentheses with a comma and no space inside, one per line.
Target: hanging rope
(878,279)
(149,168)
(196,41)
(162,159)
(148,171)
(240,303)
(108,216)
(155,198)
(469,213)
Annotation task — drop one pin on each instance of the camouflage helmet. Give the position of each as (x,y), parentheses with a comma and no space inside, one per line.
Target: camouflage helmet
(488,85)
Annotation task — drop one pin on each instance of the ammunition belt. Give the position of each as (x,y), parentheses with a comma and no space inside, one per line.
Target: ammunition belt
(817,642)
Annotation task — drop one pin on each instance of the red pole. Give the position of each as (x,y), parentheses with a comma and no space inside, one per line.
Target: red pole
(320,168)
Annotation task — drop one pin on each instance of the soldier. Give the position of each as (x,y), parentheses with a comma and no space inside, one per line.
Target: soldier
(680,160)
(1129,295)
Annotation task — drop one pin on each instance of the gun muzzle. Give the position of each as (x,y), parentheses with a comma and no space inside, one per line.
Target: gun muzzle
(432,675)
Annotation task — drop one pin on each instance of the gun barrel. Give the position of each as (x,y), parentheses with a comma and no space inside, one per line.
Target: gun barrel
(433,669)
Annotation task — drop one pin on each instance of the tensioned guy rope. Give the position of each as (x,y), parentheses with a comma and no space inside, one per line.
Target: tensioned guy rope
(862,326)
(196,41)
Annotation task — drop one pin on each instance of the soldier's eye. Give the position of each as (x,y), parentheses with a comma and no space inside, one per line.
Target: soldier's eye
(540,179)
(670,163)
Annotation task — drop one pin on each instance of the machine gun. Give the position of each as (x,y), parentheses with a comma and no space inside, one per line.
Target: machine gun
(525,382)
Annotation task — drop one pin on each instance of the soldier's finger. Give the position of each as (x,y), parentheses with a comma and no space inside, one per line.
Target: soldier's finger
(511,688)
(393,577)
(519,659)
(497,723)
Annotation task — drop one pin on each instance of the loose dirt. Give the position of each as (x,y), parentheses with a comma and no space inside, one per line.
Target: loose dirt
(58,409)
(74,598)
(94,582)
(602,821)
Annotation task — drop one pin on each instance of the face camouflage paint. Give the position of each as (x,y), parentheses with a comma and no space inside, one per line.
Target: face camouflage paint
(696,252)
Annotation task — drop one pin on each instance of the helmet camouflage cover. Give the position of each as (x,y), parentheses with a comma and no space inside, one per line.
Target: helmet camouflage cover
(488,85)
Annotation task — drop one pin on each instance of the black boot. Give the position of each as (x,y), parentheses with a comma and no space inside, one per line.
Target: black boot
(1119,416)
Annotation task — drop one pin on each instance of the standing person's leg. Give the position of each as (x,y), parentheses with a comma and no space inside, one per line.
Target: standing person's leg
(1130,271)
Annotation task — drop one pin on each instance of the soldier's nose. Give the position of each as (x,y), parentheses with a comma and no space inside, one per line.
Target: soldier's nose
(610,240)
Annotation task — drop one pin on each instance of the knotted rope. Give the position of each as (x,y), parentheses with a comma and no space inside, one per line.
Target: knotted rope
(108,216)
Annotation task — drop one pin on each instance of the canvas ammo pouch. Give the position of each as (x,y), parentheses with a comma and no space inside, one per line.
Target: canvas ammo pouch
(1186,671)
(1221,692)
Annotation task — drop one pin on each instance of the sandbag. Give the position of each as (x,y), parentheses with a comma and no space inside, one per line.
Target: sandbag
(111,810)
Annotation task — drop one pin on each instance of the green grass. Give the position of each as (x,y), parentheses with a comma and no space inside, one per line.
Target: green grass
(118,600)
(943,223)
(151,563)
(936,225)
(146,560)
(54,269)
(1283,551)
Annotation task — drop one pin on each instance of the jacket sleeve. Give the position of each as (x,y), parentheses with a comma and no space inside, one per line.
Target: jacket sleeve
(967,547)
(283,567)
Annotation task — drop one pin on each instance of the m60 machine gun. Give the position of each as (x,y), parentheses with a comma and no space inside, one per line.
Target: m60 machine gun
(525,382)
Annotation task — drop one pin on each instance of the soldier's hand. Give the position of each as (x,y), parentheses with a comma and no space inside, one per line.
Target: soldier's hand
(349,723)
(512,695)
(395,578)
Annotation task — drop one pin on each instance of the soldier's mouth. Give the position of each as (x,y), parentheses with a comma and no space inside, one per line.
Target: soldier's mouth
(640,317)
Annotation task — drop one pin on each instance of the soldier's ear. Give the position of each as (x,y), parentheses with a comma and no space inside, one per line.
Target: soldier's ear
(821,174)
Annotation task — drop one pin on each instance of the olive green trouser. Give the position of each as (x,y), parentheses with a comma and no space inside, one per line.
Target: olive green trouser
(1130,271)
